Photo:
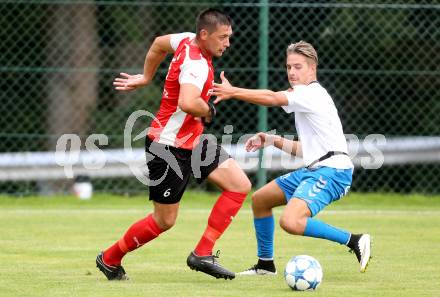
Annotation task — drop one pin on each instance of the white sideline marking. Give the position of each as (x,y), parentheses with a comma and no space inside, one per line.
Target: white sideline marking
(64,211)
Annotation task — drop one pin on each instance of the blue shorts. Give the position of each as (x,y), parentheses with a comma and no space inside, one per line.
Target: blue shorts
(318,187)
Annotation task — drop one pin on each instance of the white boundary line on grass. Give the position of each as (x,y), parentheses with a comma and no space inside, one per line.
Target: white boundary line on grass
(64,211)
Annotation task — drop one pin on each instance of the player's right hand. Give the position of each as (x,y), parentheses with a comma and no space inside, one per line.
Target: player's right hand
(128,82)
(258,141)
(222,91)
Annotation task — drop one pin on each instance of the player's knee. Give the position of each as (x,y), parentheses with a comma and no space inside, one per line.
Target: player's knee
(261,206)
(166,223)
(292,225)
(256,200)
(243,185)
(246,186)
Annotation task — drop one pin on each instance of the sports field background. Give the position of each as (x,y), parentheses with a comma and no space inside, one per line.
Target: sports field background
(377,58)
(48,248)
(379,61)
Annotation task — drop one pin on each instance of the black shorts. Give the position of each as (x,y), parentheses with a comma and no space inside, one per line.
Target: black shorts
(169,168)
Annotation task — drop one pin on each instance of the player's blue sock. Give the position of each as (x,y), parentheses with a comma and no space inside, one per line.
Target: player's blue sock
(264,229)
(319,229)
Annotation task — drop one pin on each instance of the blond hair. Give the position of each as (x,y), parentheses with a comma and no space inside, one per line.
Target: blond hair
(303,48)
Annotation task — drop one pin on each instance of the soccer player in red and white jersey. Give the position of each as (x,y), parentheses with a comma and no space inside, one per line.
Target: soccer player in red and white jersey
(176,149)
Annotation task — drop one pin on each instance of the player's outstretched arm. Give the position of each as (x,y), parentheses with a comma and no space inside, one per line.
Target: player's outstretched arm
(261,140)
(226,91)
(155,55)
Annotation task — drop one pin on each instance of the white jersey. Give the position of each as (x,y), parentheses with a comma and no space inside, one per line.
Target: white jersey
(318,125)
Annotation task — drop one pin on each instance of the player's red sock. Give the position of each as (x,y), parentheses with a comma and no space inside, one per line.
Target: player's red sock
(224,210)
(137,235)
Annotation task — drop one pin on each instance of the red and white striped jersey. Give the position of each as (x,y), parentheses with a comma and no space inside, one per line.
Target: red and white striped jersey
(173,126)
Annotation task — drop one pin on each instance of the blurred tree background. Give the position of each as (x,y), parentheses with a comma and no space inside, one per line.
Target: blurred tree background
(378,59)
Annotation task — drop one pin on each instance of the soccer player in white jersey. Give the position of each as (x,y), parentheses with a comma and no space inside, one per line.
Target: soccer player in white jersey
(175,147)
(328,172)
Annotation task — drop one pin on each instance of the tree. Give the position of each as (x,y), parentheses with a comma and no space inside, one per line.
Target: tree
(73,55)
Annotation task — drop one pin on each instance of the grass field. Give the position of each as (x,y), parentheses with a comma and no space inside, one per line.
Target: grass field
(48,248)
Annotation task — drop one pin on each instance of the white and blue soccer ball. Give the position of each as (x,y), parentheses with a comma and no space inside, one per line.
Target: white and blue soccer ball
(303,273)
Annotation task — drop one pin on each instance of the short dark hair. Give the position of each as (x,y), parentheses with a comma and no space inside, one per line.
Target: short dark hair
(210,18)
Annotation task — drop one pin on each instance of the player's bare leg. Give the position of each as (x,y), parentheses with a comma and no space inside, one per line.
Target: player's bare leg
(294,217)
(266,198)
(165,215)
(230,177)
(235,185)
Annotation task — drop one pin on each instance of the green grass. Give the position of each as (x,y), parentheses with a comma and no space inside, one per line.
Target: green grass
(48,248)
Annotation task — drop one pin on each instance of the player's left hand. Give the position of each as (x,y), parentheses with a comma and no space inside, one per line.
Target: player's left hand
(222,91)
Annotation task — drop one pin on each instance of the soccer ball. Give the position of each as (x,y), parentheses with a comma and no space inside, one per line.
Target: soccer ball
(303,273)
